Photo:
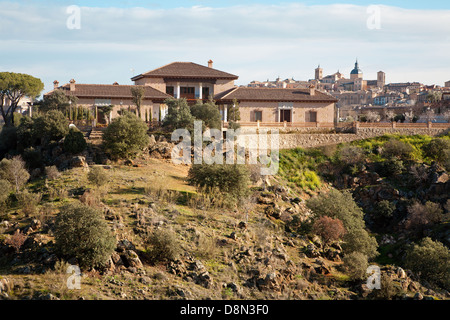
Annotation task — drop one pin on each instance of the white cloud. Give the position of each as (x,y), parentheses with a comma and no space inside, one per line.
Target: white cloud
(252,41)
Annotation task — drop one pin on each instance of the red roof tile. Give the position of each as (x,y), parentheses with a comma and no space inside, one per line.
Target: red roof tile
(186,70)
(110,91)
(274,94)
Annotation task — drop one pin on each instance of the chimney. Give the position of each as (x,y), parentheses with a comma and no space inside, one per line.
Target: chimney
(210,63)
(72,85)
(55,84)
(312,90)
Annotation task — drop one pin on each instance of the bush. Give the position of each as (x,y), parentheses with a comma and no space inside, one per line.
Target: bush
(436,149)
(125,137)
(97,176)
(32,158)
(52,126)
(351,155)
(5,190)
(356,264)
(391,167)
(81,232)
(359,240)
(397,149)
(340,205)
(14,172)
(16,240)
(162,245)
(328,229)
(431,260)
(52,173)
(421,216)
(178,115)
(8,140)
(25,134)
(28,202)
(74,142)
(231,179)
(208,113)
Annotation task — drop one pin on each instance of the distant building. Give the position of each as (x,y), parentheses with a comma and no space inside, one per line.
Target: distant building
(447,84)
(281,105)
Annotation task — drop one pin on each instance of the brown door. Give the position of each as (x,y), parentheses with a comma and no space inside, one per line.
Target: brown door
(285,115)
(187,92)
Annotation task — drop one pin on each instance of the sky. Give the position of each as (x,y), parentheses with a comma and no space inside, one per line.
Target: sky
(111,41)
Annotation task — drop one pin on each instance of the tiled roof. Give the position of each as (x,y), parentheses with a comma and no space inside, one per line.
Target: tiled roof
(110,91)
(186,70)
(274,94)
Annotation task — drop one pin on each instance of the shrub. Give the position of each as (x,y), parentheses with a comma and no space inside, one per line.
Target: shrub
(178,115)
(340,205)
(431,260)
(125,137)
(5,190)
(32,158)
(28,202)
(385,209)
(8,139)
(351,155)
(435,149)
(52,172)
(397,149)
(392,167)
(421,216)
(162,245)
(14,172)
(52,126)
(16,240)
(81,232)
(208,113)
(231,179)
(25,134)
(358,240)
(97,176)
(328,229)
(356,264)
(74,142)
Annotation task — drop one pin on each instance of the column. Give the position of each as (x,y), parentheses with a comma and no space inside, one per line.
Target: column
(200,90)
(177,90)
(225,113)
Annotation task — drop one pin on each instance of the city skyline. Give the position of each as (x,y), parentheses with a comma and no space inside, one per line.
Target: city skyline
(258,40)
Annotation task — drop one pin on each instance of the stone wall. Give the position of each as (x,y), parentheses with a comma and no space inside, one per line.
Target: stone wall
(308,140)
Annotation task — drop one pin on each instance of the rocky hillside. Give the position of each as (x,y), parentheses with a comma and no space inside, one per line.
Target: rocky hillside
(256,251)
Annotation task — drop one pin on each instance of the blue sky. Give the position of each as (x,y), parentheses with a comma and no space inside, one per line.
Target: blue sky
(254,39)
(411,4)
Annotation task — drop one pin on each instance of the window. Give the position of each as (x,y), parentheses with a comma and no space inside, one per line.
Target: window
(187,90)
(257,116)
(169,90)
(205,92)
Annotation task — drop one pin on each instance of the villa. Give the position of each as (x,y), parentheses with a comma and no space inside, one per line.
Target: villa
(192,81)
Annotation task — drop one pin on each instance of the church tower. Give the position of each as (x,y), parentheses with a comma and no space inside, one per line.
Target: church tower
(319,73)
(381,79)
(356,72)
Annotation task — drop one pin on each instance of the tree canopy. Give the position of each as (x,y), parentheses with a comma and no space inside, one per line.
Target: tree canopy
(15,86)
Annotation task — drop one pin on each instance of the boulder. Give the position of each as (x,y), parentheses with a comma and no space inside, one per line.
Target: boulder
(131,259)
(78,162)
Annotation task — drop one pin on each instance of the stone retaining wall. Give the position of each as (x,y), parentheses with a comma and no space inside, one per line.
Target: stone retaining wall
(308,140)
